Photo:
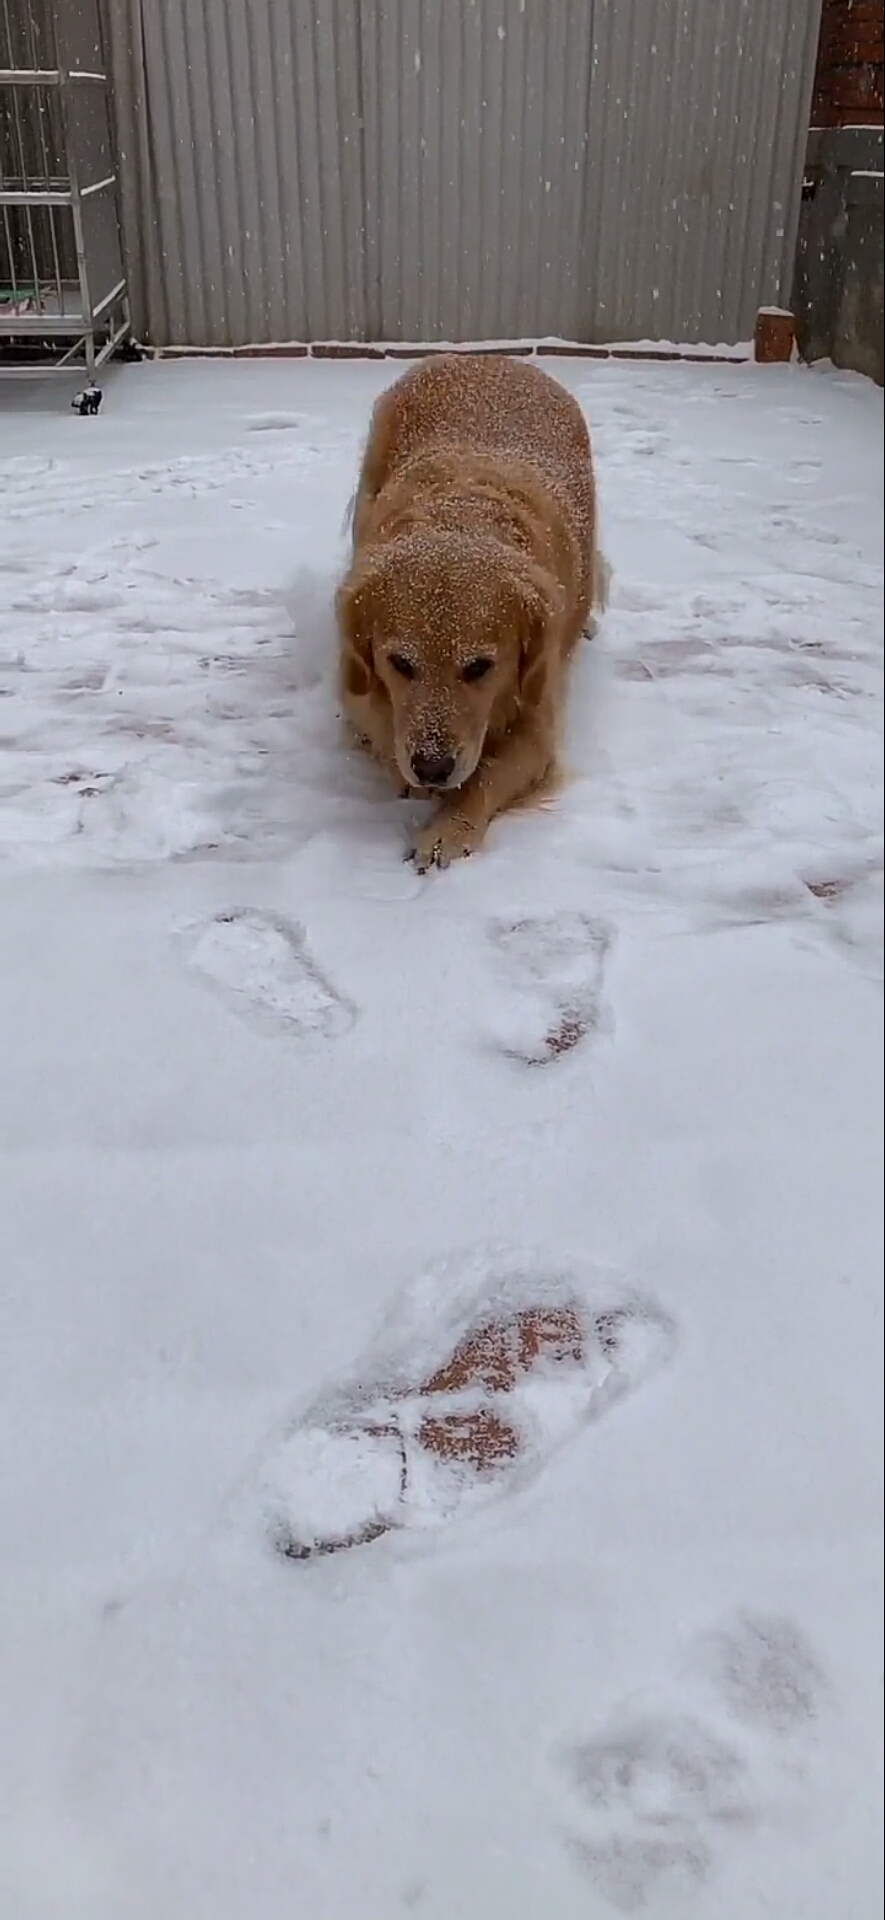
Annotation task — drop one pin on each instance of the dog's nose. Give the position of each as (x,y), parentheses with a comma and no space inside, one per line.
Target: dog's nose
(433,769)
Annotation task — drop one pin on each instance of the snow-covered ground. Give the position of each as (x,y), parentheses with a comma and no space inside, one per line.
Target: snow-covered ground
(272,1106)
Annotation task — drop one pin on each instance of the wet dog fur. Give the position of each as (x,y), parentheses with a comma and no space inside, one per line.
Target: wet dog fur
(474,573)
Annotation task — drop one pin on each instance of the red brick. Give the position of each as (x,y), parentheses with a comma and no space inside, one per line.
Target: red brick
(343,350)
(848,83)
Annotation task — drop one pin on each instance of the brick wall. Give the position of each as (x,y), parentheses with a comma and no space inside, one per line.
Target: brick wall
(848,81)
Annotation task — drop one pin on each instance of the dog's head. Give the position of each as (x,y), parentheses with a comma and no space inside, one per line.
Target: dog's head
(449,625)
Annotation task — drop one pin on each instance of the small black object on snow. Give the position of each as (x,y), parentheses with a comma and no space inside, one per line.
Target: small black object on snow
(88,400)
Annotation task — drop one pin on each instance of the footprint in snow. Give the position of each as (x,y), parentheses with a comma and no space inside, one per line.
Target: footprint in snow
(655,1794)
(485,1367)
(556,963)
(260,965)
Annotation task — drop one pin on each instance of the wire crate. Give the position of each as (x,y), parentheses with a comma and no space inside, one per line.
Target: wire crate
(63,298)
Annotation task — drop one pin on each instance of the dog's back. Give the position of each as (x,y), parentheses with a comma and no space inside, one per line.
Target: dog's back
(492,404)
(484,404)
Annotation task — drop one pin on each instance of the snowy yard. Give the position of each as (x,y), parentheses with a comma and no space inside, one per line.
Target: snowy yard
(279,1115)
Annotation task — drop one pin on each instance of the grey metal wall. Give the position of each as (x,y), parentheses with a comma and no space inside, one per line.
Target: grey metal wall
(839,285)
(459,169)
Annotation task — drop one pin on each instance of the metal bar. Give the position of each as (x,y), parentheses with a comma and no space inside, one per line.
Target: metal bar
(56,258)
(109,300)
(98,186)
(64,364)
(20,164)
(113,341)
(51,325)
(80,245)
(20,160)
(29,77)
(46,77)
(55,197)
(47,174)
(79,240)
(32,251)
(10,252)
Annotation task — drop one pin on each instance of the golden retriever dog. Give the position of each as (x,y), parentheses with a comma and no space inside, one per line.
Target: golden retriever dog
(474,573)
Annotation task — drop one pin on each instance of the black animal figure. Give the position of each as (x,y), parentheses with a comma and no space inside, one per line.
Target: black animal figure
(88,401)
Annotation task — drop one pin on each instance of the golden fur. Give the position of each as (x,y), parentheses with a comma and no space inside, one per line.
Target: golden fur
(473,575)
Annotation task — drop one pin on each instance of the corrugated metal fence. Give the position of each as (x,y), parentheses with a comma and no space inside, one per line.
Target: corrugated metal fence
(459,169)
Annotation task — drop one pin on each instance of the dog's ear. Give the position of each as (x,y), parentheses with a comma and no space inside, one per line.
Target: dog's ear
(353,607)
(539,605)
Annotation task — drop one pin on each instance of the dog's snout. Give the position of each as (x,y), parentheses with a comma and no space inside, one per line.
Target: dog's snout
(433,769)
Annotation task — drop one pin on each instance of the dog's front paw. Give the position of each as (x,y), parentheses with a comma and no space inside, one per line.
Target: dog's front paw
(447,837)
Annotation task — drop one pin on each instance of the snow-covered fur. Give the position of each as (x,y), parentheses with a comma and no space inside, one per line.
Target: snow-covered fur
(473,575)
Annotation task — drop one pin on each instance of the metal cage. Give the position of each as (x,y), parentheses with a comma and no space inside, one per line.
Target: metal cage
(63,297)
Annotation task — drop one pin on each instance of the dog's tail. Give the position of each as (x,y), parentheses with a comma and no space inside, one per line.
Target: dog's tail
(602,579)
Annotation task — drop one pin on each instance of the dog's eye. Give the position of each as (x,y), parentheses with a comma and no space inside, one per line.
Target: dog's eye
(401,665)
(476,669)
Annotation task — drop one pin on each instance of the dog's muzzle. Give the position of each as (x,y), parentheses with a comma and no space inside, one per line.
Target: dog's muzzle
(433,769)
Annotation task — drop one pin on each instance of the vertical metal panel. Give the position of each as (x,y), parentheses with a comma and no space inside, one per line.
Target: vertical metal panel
(697,122)
(125,65)
(474,145)
(240,141)
(459,169)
